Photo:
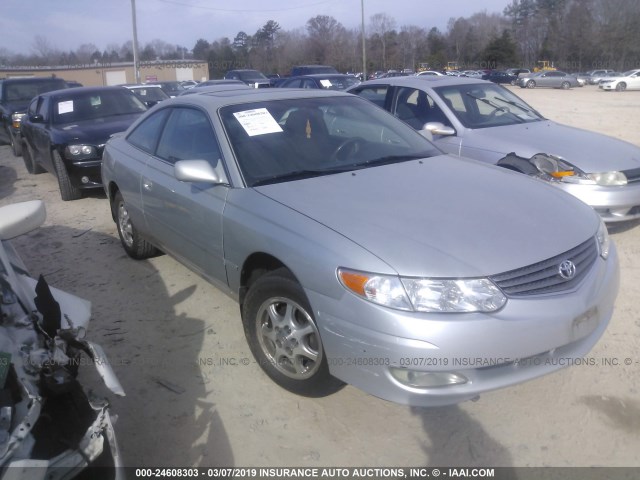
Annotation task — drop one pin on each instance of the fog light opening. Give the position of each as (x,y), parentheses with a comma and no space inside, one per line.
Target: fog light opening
(84,179)
(418,379)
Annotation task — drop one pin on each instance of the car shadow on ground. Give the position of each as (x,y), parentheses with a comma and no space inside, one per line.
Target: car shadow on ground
(621,227)
(153,349)
(8,179)
(446,426)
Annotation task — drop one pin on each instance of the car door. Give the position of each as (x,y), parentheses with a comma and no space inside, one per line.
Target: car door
(634,81)
(40,133)
(185,218)
(554,79)
(26,128)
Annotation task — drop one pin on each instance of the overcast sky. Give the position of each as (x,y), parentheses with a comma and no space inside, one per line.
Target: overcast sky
(69,23)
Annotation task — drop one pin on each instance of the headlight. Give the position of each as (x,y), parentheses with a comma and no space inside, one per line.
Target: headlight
(553,168)
(609,178)
(603,240)
(77,152)
(424,294)
(16,119)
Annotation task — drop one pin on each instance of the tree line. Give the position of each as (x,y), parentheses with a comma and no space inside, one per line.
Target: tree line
(574,35)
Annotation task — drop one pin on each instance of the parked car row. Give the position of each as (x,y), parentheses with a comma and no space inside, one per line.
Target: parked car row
(336,225)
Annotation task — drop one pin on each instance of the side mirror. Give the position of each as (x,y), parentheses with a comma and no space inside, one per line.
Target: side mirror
(196,171)
(437,128)
(37,118)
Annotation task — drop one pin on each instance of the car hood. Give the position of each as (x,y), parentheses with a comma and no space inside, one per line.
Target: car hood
(589,151)
(96,131)
(443,216)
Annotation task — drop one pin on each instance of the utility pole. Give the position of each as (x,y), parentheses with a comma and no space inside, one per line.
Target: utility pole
(364,50)
(136,64)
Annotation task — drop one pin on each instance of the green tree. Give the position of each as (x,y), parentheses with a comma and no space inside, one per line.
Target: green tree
(501,51)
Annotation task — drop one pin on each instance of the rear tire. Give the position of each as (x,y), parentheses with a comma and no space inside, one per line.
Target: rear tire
(135,246)
(31,165)
(283,335)
(67,190)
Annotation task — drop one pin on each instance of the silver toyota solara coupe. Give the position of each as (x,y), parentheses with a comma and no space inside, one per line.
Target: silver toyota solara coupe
(487,122)
(357,250)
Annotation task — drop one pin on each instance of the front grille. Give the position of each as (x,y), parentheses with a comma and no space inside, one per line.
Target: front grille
(632,175)
(543,277)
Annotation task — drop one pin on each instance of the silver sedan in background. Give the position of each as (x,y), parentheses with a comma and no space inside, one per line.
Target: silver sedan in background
(357,250)
(552,79)
(487,122)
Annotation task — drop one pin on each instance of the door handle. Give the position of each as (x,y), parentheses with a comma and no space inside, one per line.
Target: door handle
(147,184)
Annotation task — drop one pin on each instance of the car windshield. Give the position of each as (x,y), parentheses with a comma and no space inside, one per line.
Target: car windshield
(150,94)
(95,104)
(252,75)
(629,73)
(480,105)
(338,83)
(23,92)
(281,140)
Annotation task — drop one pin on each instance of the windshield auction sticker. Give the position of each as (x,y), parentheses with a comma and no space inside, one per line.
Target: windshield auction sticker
(257,122)
(65,107)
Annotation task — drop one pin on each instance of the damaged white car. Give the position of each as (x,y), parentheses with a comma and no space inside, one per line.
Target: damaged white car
(49,426)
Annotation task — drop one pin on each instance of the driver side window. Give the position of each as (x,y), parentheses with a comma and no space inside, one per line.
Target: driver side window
(417,108)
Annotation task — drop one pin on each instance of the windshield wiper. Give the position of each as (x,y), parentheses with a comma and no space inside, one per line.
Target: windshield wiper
(301,174)
(297,175)
(389,159)
(520,106)
(496,107)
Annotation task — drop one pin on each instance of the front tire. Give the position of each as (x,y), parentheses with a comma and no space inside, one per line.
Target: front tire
(283,335)
(531,84)
(565,85)
(135,246)
(621,87)
(67,190)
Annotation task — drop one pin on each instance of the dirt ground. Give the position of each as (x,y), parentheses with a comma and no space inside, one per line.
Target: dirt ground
(195,397)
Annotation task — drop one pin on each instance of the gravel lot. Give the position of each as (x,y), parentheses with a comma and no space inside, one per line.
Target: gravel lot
(196,398)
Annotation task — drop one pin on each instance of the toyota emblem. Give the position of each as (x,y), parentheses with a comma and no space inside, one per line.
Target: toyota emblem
(567,270)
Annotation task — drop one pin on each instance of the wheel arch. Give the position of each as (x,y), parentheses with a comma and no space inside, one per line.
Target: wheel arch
(255,266)
(111,191)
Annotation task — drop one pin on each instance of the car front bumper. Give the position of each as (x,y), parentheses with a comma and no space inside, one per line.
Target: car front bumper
(85,174)
(528,338)
(613,204)
(607,86)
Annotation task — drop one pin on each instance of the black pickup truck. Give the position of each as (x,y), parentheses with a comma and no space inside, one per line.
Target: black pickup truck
(15,95)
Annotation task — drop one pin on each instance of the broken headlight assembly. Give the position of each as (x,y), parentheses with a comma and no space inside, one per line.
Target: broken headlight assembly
(553,168)
(47,418)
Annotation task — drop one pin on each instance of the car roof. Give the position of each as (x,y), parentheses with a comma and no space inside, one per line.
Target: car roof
(146,85)
(221,98)
(322,75)
(32,79)
(215,88)
(422,81)
(74,90)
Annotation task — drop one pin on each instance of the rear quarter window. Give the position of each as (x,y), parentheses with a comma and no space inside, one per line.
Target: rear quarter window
(147,133)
